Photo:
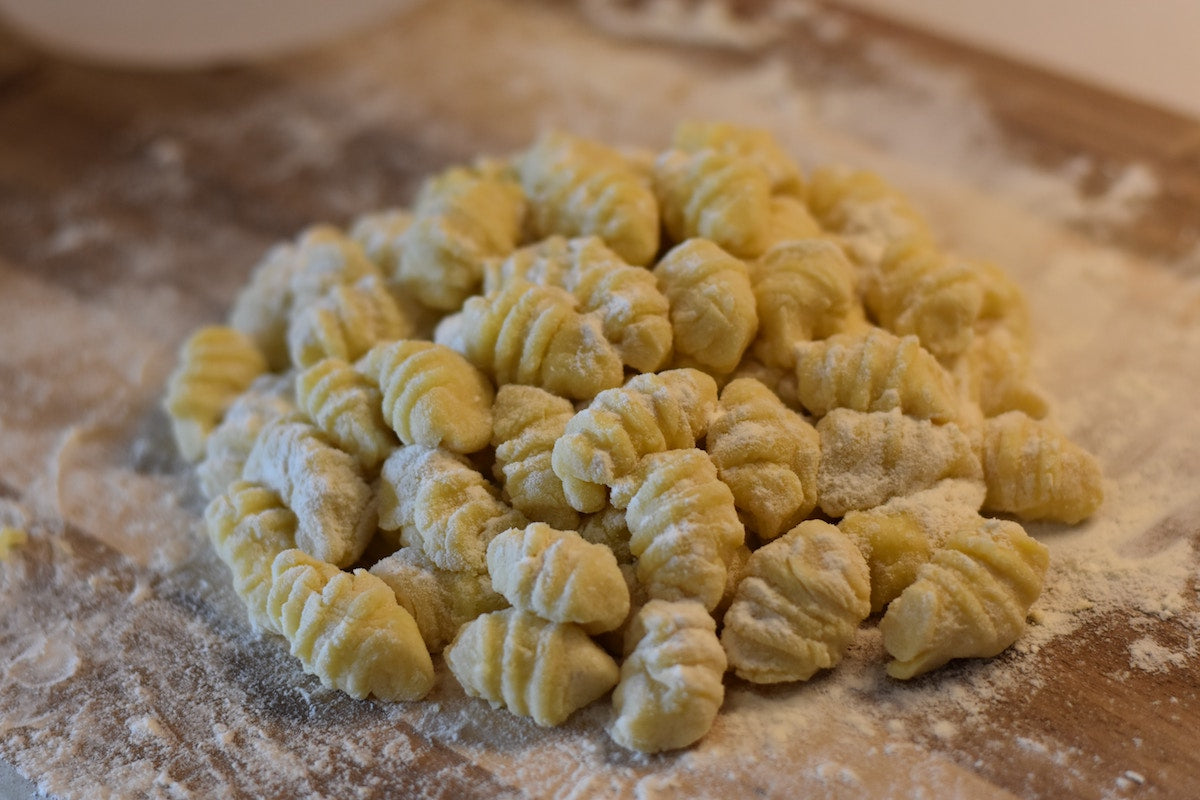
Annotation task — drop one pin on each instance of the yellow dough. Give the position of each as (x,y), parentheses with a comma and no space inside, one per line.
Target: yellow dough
(347,407)
(535,335)
(1034,471)
(670,689)
(755,145)
(712,305)
(348,630)
(969,601)
(633,312)
(559,576)
(345,323)
(767,454)
(320,484)
(578,187)
(797,608)
(532,667)
(216,364)
(249,526)
(683,525)
(431,395)
(437,501)
(268,398)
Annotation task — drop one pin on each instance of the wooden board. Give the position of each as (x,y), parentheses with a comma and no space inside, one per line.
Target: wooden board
(132,206)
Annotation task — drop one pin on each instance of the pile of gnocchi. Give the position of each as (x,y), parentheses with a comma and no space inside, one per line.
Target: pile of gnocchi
(586,420)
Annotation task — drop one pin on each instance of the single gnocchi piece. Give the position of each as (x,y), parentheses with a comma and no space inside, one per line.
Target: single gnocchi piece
(868,458)
(578,187)
(268,398)
(683,525)
(650,413)
(461,218)
(756,145)
(528,421)
(768,456)
(347,407)
(249,526)
(995,374)
(1034,471)
(633,312)
(670,689)
(347,629)
(534,335)
(969,601)
(712,305)
(380,234)
(216,364)
(715,195)
(321,484)
(804,289)
(436,500)
(345,323)
(431,395)
(790,221)
(559,576)
(874,371)
(797,608)
(901,535)
(440,600)
(532,667)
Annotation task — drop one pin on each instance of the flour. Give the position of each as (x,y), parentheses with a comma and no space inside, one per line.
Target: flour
(135,672)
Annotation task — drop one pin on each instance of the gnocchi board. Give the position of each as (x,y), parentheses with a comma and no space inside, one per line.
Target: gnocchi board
(133,204)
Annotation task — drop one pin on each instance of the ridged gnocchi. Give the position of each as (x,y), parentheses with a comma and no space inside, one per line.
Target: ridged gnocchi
(216,364)
(249,526)
(345,323)
(533,667)
(1034,471)
(712,305)
(559,576)
(797,608)
(683,525)
(969,601)
(717,196)
(767,454)
(535,335)
(670,688)
(347,629)
(348,408)
(755,145)
(268,398)
(578,187)
(431,395)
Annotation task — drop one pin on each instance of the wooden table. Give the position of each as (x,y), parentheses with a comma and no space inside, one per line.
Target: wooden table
(132,206)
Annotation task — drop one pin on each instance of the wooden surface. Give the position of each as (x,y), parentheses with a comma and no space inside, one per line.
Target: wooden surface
(94,214)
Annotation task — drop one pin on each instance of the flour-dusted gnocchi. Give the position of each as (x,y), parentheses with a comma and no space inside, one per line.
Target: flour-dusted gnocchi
(874,371)
(717,196)
(797,608)
(755,145)
(712,305)
(533,667)
(578,187)
(431,395)
(527,423)
(380,234)
(768,456)
(969,601)
(683,525)
(461,217)
(216,364)
(1034,471)
(347,407)
(559,576)
(790,221)
(269,397)
(867,458)
(440,600)
(440,503)
(607,527)
(249,526)
(345,323)
(633,312)
(650,413)
(670,689)
(995,374)
(321,484)
(901,535)
(347,629)
(804,289)
(535,335)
